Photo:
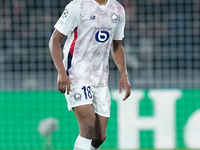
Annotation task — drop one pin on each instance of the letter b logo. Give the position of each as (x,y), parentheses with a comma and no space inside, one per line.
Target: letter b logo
(102,36)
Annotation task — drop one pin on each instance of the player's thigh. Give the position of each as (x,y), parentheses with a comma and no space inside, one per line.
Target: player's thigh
(84,112)
(86,119)
(100,126)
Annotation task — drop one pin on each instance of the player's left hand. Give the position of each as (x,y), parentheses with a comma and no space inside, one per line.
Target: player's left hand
(124,83)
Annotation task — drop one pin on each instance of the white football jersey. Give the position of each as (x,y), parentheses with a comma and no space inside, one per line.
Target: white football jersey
(90,29)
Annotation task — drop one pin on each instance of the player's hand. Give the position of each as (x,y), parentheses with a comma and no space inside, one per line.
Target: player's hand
(63,83)
(124,83)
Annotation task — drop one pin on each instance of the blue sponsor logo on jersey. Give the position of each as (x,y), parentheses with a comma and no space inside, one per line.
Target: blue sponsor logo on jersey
(102,36)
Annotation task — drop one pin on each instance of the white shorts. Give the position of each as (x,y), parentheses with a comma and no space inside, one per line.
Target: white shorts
(83,95)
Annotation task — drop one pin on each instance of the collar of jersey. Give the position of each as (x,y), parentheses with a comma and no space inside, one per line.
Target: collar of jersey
(101,5)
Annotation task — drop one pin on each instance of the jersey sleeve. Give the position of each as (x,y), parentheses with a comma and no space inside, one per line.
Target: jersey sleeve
(68,21)
(119,31)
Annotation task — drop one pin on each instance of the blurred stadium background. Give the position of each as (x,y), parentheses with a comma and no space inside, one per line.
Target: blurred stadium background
(162,47)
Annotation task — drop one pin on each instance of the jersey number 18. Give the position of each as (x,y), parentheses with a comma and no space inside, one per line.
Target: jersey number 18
(87,92)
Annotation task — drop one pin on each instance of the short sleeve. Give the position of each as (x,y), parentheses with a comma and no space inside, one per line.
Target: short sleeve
(119,31)
(68,21)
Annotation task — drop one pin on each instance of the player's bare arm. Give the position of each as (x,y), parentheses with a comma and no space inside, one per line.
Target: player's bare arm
(119,59)
(56,53)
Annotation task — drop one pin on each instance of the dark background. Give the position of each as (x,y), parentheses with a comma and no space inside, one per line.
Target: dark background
(162,44)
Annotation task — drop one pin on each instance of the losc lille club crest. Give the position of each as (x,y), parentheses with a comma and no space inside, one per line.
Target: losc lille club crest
(114,18)
(77,97)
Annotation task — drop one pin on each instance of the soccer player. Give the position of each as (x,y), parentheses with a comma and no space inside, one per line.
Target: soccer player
(93,28)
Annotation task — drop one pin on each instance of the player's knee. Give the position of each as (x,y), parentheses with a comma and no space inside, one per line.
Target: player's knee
(88,127)
(98,140)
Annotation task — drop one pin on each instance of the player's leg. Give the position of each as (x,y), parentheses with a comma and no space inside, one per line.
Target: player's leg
(86,120)
(81,104)
(101,103)
(100,131)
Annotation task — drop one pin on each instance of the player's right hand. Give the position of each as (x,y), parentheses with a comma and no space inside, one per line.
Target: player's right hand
(63,83)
